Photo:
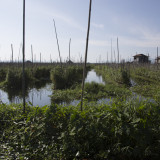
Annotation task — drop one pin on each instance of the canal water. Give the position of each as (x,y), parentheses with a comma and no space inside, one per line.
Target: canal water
(41,96)
(93,77)
(35,96)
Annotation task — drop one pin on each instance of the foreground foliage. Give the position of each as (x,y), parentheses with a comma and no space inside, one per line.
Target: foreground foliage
(122,130)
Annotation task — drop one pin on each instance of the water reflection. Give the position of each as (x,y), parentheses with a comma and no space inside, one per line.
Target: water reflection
(93,77)
(37,96)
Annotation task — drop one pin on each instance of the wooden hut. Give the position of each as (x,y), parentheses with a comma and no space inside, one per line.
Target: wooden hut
(141,58)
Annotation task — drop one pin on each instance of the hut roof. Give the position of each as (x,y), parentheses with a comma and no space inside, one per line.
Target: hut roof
(140,55)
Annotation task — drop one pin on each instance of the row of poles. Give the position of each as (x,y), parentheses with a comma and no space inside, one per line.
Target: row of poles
(23,52)
(86,52)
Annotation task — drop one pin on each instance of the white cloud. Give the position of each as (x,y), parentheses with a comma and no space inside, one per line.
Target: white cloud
(68,20)
(56,14)
(143,38)
(100,26)
(100,43)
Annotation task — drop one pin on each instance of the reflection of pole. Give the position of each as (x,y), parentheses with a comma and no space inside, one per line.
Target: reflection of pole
(32,96)
(23,79)
(84,69)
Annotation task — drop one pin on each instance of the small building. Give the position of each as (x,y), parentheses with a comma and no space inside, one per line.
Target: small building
(28,62)
(157,60)
(69,62)
(141,58)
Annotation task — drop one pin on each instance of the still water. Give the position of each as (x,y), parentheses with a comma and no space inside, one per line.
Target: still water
(93,77)
(35,96)
(41,96)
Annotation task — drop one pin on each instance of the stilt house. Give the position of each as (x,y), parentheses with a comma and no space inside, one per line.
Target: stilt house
(141,58)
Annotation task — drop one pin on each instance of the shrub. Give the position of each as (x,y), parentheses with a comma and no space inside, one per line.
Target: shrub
(42,73)
(63,78)
(2,74)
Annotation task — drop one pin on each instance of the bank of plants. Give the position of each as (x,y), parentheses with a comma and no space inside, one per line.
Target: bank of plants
(147,81)
(122,130)
(92,92)
(12,78)
(68,76)
(3,73)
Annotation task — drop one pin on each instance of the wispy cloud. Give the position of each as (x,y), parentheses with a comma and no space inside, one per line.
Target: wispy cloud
(57,14)
(144,37)
(100,26)
(68,20)
(100,43)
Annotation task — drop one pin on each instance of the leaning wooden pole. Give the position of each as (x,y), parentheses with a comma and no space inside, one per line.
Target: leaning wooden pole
(57,42)
(23,70)
(86,51)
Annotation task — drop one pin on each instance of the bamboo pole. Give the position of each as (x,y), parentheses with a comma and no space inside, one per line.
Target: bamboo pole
(57,42)
(157,57)
(86,51)
(40,57)
(32,59)
(111,50)
(23,70)
(12,52)
(69,49)
(32,53)
(118,49)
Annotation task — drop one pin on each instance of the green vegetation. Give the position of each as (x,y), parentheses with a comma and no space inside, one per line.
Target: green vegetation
(67,77)
(125,129)
(2,74)
(117,80)
(121,130)
(12,78)
(147,81)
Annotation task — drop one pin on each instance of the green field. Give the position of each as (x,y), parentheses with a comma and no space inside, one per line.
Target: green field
(128,128)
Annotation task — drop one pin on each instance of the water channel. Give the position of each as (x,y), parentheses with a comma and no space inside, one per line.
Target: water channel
(41,96)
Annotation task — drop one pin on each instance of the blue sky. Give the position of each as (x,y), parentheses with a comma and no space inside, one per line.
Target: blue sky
(135,22)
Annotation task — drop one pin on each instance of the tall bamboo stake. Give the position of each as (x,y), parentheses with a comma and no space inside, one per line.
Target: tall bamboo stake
(32,53)
(111,50)
(12,52)
(23,70)
(50,59)
(69,49)
(40,57)
(32,59)
(118,49)
(84,68)
(114,57)
(57,42)
(157,57)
